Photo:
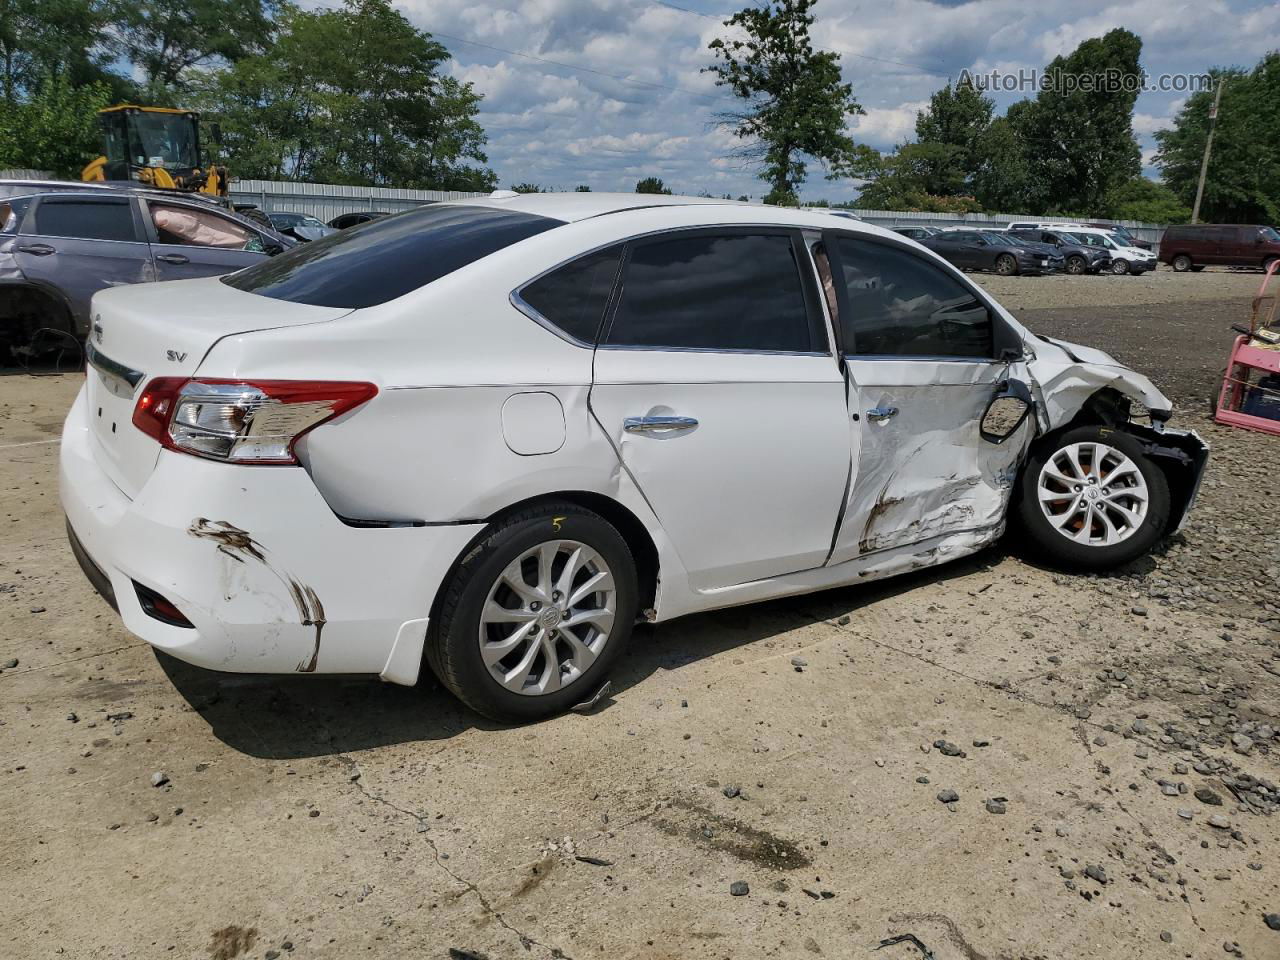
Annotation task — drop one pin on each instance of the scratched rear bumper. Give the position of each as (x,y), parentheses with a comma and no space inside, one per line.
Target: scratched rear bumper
(271,580)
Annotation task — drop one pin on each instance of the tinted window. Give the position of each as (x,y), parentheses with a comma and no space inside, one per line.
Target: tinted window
(735,292)
(388,258)
(11,212)
(573,297)
(901,305)
(85,220)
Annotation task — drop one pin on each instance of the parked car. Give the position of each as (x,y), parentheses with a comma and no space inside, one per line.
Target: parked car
(1125,238)
(1193,246)
(57,249)
(344,220)
(916,233)
(976,250)
(1078,256)
(1124,259)
(301,226)
(495,432)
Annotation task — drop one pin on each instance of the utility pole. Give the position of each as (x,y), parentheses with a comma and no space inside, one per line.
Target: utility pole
(1208,144)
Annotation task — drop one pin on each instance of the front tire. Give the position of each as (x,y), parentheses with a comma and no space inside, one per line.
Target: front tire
(1076,266)
(535,615)
(1182,263)
(1091,499)
(1006,265)
(1119,267)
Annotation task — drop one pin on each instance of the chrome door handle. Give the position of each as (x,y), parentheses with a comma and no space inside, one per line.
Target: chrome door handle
(658,424)
(881,414)
(36,249)
(172,258)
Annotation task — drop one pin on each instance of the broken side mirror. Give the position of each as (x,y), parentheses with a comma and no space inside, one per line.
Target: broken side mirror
(1006,412)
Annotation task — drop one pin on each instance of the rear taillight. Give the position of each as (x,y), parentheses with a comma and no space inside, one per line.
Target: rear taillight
(242,421)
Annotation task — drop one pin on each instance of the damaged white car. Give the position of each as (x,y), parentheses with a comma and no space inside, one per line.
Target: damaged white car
(491,435)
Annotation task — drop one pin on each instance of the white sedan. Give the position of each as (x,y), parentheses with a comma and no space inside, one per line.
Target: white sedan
(491,435)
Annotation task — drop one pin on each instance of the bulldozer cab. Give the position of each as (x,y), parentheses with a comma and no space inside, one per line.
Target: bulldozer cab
(159,146)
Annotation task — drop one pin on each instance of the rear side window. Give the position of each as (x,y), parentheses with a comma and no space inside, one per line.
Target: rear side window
(85,220)
(714,292)
(388,258)
(573,298)
(902,305)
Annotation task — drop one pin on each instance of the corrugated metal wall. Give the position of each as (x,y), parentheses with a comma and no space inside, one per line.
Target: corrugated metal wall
(897,218)
(25,175)
(325,200)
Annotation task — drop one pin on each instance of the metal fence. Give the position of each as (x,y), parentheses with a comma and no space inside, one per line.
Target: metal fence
(324,201)
(25,175)
(899,218)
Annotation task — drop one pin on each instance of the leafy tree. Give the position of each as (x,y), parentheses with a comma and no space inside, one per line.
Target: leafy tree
(1078,140)
(902,180)
(582,188)
(349,95)
(527,188)
(166,39)
(56,129)
(652,185)
(1146,200)
(1002,176)
(954,125)
(49,39)
(1242,184)
(796,104)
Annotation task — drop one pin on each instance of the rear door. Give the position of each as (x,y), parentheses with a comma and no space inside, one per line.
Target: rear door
(920,347)
(716,384)
(189,241)
(80,244)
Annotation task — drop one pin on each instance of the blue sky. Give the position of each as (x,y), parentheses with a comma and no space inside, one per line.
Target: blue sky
(606,93)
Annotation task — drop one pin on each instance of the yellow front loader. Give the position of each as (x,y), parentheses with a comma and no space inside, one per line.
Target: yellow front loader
(158,146)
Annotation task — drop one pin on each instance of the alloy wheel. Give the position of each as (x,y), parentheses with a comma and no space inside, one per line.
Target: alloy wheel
(547,617)
(1120,267)
(1075,265)
(1093,493)
(1006,265)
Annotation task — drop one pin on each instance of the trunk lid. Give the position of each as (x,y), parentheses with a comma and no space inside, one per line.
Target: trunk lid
(153,330)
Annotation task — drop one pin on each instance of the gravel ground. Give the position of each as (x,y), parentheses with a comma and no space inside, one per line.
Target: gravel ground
(1106,290)
(1003,761)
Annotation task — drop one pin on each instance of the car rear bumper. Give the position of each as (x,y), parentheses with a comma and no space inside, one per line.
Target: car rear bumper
(270,579)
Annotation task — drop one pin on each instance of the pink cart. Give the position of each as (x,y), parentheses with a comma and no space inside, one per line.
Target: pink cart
(1250,395)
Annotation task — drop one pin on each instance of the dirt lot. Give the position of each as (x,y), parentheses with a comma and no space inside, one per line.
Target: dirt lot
(1116,737)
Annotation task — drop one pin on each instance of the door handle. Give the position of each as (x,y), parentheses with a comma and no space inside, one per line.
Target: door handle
(172,258)
(37,249)
(658,424)
(881,414)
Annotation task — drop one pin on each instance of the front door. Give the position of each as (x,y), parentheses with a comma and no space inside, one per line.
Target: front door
(191,242)
(716,384)
(920,347)
(81,244)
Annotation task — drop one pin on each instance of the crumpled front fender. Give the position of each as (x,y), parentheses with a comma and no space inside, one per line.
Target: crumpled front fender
(1066,376)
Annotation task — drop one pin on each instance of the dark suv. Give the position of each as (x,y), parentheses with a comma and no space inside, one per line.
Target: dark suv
(976,250)
(1078,257)
(57,249)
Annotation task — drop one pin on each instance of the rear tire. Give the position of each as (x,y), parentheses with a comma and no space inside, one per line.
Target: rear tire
(1119,267)
(1266,264)
(513,638)
(1182,263)
(1081,529)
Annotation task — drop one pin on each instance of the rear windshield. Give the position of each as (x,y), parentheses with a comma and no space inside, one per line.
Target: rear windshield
(384,259)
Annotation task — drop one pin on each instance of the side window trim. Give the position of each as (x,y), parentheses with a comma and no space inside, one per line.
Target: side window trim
(998,325)
(517,300)
(805,274)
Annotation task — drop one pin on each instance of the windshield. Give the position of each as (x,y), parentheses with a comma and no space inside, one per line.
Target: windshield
(1117,241)
(387,258)
(294,220)
(163,140)
(1269,234)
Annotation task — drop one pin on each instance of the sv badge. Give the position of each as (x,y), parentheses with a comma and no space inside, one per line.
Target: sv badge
(174,356)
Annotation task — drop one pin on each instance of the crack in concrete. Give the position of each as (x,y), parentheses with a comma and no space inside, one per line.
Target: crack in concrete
(526,941)
(9,674)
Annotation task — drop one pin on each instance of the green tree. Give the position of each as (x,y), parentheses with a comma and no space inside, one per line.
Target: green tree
(796,103)
(955,124)
(1146,200)
(56,129)
(1077,134)
(527,188)
(1002,176)
(1242,184)
(50,39)
(164,40)
(652,185)
(582,188)
(349,95)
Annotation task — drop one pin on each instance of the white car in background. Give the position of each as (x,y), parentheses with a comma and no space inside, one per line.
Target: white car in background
(492,434)
(1125,258)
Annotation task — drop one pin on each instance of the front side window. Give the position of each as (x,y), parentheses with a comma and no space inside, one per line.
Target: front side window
(1268,234)
(390,257)
(715,292)
(85,219)
(201,228)
(902,305)
(573,297)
